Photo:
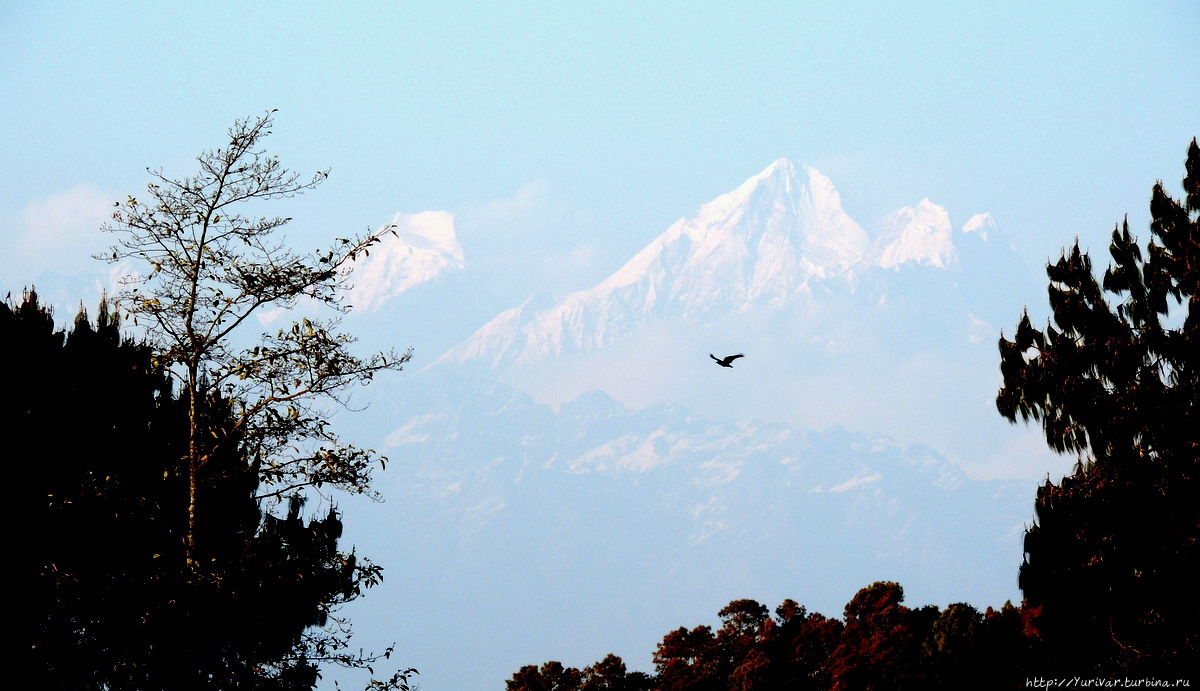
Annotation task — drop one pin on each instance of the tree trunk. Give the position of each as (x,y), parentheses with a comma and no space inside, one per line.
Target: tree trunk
(193,470)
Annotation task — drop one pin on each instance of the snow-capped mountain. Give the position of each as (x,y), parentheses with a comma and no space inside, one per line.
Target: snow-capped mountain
(589,445)
(921,234)
(759,245)
(980,224)
(767,245)
(424,247)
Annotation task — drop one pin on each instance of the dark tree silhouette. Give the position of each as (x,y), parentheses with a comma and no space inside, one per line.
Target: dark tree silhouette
(104,492)
(552,676)
(804,642)
(1111,561)
(608,674)
(744,627)
(881,645)
(688,659)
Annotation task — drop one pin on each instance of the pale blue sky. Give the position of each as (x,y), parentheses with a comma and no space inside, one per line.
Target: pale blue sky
(1054,117)
(566,136)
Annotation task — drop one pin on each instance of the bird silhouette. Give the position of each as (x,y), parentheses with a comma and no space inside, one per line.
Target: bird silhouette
(726,361)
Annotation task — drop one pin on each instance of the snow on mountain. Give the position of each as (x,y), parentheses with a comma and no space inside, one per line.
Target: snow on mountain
(995,279)
(425,246)
(920,234)
(778,241)
(703,477)
(838,327)
(762,245)
(980,224)
(596,434)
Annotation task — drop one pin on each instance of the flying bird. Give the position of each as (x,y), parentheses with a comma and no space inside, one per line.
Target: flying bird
(727,361)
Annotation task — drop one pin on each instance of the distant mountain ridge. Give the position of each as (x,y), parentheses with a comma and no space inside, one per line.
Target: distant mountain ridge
(709,479)
(655,513)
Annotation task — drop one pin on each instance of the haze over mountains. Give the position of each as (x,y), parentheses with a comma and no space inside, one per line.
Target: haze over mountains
(893,333)
(582,466)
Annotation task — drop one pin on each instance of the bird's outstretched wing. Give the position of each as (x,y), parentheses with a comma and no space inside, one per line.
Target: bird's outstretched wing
(725,362)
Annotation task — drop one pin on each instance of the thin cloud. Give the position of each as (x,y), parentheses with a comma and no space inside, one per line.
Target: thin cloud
(530,197)
(61,232)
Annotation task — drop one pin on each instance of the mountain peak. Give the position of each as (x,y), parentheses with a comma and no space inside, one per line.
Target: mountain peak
(425,246)
(919,234)
(780,169)
(981,224)
(758,246)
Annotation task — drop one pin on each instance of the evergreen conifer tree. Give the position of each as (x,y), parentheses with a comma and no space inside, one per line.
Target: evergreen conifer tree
(103,490)
(1113,557)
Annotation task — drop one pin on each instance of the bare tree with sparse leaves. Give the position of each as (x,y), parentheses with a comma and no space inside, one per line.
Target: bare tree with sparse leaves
(212,265)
